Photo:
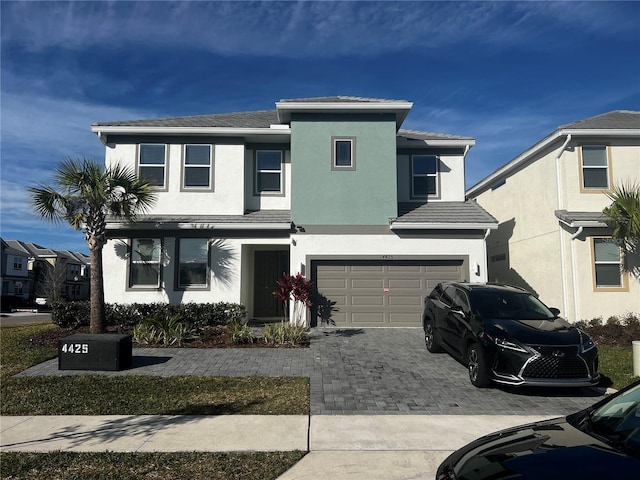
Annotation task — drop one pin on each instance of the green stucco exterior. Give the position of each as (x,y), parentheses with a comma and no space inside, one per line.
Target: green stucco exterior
(321,195)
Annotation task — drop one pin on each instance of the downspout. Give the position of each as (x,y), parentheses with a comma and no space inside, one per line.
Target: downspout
(574,275)
(559,191)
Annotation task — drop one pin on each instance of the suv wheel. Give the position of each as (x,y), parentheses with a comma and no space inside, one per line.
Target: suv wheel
(477,364)
(430,339)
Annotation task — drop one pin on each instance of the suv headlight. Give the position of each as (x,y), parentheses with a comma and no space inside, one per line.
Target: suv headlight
(507,344)
(586,342)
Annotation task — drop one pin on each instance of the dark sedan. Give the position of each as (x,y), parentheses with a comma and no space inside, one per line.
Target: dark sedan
(506,335)
(602,441)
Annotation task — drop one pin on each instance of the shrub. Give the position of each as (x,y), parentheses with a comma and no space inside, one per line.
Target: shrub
(240,333)
(163,328)
(127,316)
(285,333)
(618,330)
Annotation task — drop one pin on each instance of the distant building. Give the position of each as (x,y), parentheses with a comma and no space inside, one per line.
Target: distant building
(32,274)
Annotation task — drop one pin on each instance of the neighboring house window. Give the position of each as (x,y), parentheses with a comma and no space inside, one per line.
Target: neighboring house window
(343,153)
(193,266)
(152,163)
(595,167)
(607,259)
(145,262)
(197,166)
(17,263)
(17,288)
(424,175)
(74,271)
(268,171)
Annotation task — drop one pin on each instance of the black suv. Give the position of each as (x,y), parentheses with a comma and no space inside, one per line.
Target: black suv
(506,335)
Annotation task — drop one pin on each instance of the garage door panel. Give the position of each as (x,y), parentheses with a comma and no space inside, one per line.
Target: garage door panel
(374,283)
(380,293)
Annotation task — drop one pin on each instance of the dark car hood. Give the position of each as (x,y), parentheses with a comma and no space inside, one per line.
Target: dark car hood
(555,332)
(546,450)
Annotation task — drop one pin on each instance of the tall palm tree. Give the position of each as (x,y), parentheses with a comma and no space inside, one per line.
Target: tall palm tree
(86,194)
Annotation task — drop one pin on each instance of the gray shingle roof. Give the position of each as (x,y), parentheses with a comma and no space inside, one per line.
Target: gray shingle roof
(340,99)
(257,119)
(253,217)
(596,219)
(617,119)
(417,135)
(443,213)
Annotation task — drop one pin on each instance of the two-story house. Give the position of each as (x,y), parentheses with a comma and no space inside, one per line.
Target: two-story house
(553,238)
(330,187)
(14,272)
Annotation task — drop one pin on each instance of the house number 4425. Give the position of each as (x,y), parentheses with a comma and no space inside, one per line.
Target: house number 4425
(75,348)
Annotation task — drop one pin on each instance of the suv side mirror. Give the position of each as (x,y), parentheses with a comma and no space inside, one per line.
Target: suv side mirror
(555,311)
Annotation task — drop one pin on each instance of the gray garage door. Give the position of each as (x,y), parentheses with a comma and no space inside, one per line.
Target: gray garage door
(373,293)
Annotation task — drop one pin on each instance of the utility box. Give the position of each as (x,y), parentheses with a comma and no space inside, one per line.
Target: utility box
(105,351)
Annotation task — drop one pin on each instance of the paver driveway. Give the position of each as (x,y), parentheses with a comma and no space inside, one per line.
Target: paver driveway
(359,371)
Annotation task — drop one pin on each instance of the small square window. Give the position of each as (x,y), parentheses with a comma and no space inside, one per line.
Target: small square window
(343,153)
(152,163)
(268,171)
(197,166)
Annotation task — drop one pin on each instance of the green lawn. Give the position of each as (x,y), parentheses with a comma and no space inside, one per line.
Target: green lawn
(132,395)
(616,365)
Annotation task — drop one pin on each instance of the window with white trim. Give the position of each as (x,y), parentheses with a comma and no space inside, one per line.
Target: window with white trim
(268,171)
(424,176)
(193,255)
(343,155)
(607,260)
(146,254)
(595,167)
(18,263)
(197,167)
(152,163)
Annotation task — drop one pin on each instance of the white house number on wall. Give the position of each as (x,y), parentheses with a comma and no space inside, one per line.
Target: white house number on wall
(75,348)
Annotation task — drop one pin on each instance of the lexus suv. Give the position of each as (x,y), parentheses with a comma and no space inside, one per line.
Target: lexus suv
(506,335)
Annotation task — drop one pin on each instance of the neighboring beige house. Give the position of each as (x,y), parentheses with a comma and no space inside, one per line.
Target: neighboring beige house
(552,237)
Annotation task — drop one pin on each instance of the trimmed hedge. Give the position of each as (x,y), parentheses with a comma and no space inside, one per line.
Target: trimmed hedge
(78,314)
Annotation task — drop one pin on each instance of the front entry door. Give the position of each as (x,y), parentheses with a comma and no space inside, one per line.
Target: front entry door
(269,265)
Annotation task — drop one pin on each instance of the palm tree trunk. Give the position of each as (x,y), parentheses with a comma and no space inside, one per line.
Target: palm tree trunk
(98,322)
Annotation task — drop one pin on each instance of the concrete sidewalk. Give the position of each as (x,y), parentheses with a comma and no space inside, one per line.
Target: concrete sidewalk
(350,447)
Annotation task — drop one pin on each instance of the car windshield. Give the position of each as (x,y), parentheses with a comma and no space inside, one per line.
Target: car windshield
(509,305)
(617,421)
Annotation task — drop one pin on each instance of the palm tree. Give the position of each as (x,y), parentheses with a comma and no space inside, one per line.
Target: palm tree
(623,215)
(86,194)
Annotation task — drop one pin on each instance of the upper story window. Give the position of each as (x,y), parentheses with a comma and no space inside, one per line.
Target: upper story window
(607,264)
(424,176)
(145,262)
(343,153)
(152,163)
(193,255)
(18,263)
(74,271)
(268,171)
(595,168)
(197,173)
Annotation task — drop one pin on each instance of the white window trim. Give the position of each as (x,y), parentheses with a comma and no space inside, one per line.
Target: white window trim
(165,169)
(334,153)
(186,187)
(199,286)
(436,175)
(257,173)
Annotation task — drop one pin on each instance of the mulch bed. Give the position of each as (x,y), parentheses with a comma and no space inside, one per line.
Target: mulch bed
(210,337)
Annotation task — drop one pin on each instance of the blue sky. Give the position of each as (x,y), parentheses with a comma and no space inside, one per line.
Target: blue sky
(505,73)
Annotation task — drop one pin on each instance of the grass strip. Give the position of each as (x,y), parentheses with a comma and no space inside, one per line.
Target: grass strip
(17,351)
(150,395)
(616,363)
(156,466)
